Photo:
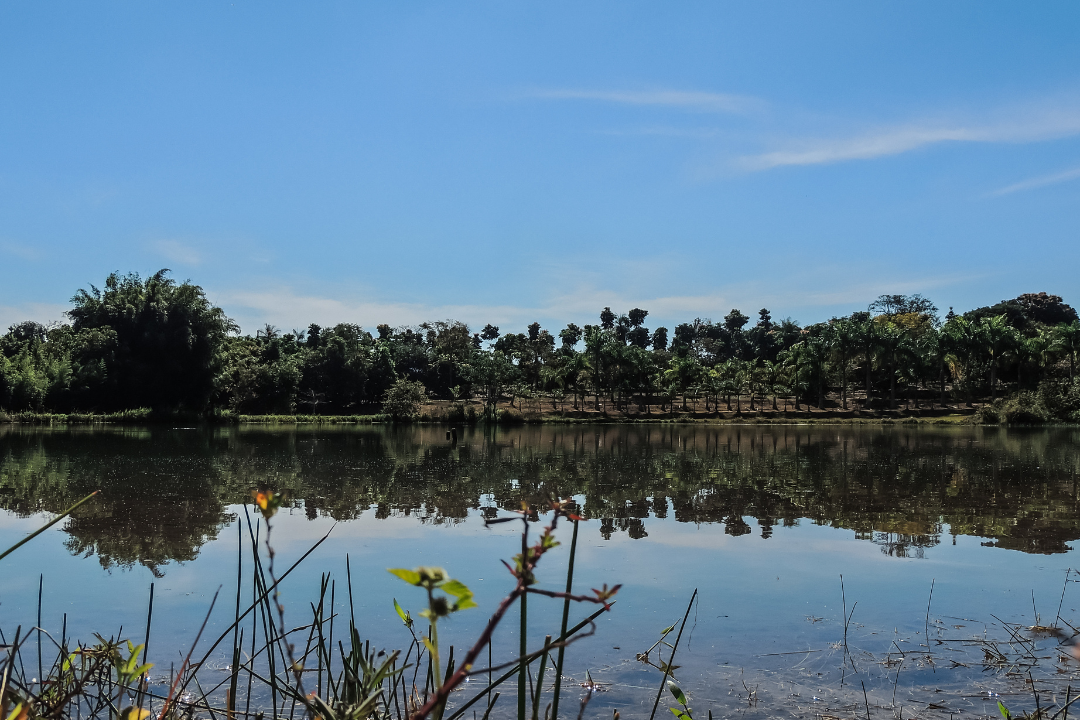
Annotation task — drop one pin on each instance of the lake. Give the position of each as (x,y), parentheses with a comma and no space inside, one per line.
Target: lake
(762,520)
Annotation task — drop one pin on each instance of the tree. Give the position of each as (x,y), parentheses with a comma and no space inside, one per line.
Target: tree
(1067,341)
(890,338)
(570,336)
(493,373)
(772,377)
(734,321)
(730,372)
(638,337)
(843,337)
(169,341)
(660,339)
(637,316)
(867,339)
(685,333)
(404,399)
(962,346)
(607,319)
(891,305)
(682,374)
(998,340)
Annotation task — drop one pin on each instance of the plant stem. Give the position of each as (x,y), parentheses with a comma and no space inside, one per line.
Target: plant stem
(671,658)
(565,619)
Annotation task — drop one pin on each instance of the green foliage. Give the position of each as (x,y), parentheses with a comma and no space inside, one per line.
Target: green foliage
(404,399)
(158,344)
(680,697)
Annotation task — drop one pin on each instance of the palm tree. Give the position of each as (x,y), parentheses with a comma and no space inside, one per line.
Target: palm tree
(1067,340)
(729,372)
(962,346)
(682,375)
(890,337)
(998,339)
(933,347)
(772,374)
(817,357)
(553,379)
(843,336)
(866,337)
(796,357)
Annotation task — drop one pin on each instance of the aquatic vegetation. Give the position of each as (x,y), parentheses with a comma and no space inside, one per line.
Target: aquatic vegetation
(110,678)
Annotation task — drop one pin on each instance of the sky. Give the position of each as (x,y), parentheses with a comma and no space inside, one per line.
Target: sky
(505,162)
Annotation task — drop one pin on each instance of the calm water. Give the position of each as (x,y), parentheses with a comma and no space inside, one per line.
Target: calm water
(762,520)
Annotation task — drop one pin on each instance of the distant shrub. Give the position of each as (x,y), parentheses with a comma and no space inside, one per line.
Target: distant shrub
(1054,401)
(404,399)
(1022,408)
(456,413)
(510,416)
(1060,400)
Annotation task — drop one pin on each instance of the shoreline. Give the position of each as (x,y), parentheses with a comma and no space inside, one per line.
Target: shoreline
(936,416)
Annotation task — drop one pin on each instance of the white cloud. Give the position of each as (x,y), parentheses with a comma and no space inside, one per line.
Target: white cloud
(178,252)
(1040,181)
(579,301)
(288,309)
(19,250)
(687,100)
(43,313)
(1016,125)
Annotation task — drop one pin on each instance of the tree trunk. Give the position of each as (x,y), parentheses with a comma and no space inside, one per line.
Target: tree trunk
(892,387)
(795,388)
(869,366)
(843,381)
(941,377)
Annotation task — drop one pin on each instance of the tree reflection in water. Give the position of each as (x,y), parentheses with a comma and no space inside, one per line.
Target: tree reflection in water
(166,492)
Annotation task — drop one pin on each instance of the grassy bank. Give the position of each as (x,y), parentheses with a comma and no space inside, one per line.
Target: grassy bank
(511,417)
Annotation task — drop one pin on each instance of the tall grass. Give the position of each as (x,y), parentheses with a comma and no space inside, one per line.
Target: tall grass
(314,669)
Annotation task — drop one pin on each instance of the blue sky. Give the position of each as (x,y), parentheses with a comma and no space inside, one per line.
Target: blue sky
(508,162)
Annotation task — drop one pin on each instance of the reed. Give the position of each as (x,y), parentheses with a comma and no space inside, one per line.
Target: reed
(270,662)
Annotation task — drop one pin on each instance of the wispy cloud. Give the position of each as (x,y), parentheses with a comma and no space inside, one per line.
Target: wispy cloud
(21,251)
(1021,125)
(178,252)
(43,313)
(1038,182)
(684,99)
(287,308)
(579,301)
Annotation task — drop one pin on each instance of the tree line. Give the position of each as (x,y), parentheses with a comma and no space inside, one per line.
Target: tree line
(153,343)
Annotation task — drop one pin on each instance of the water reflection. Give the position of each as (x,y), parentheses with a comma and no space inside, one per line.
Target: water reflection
(164,491)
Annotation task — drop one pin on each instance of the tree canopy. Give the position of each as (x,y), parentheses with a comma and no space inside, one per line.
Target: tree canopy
(161,345)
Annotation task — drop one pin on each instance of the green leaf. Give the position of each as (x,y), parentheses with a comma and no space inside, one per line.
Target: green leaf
(666,630)
(677,713)
(465,604)
(677,692)
(405,618)
(1004,711)
(431,648)
(456,588)
(410,576)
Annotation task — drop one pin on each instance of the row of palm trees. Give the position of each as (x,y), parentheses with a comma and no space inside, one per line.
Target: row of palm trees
(861,360)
